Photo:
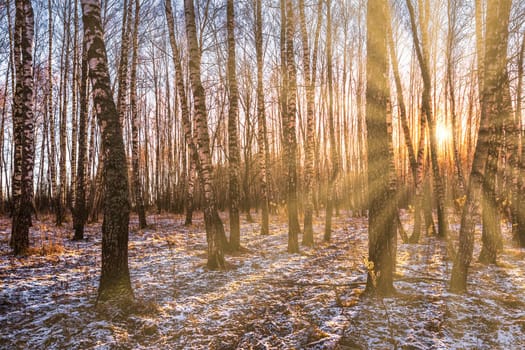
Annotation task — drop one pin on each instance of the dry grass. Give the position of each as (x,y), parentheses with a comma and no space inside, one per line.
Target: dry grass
(47,248)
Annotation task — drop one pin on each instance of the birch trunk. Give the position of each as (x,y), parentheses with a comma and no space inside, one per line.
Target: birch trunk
(498,13)
(62,185)
(71,197)
(115,281)
(233,138)
(426,109)
(382,208)
(309,81)
(214,226)
(262,137)
(22,127)
(334,157)
(51,115)
(80,212)
(135,163)
(185,112)
(451,40)
(291,140)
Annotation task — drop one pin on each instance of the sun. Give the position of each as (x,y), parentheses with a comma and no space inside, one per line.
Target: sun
(443,133)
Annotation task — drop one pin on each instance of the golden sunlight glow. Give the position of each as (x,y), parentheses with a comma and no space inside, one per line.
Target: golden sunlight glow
(443,133)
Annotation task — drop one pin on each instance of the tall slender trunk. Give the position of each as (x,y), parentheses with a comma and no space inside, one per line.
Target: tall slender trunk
(146,172)
(494,82)
(247,159)
(22,127)
(115,283)
(186,122)
(451,40)
(400,99)
(156,92)
(135,163)
(334,157)
(420,177)
(2,134)
(283,90)
(51,115)
(62,186)
(233,138)
(214,227)
(382,209)
(262,137)
(403,121)
(490,211)
(123,63)
(291,141)
(122,71)
(79,213)
(41,186)
(71,196)
(361,170)
(11,67)
(422,56)
(309,81)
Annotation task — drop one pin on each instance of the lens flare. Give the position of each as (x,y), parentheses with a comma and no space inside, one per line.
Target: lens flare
(443,133)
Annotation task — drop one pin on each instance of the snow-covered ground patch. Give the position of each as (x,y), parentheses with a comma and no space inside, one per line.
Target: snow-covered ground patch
(266,299)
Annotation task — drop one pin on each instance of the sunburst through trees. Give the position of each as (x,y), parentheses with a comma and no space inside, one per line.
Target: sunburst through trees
(287,117)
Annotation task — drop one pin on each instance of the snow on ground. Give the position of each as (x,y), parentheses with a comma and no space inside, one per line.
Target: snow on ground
(266,299)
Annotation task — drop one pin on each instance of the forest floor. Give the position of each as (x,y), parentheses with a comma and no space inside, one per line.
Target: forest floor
(266,299)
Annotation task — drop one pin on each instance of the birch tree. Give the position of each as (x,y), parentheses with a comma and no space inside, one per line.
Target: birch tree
(309,81)
(135,164)
(115,283)
(262,136)
(494,81)
(22,127)
(79,212)
(334,157)
(214,226)
(289,125)
(422,54)
(233,138)
(381,206)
